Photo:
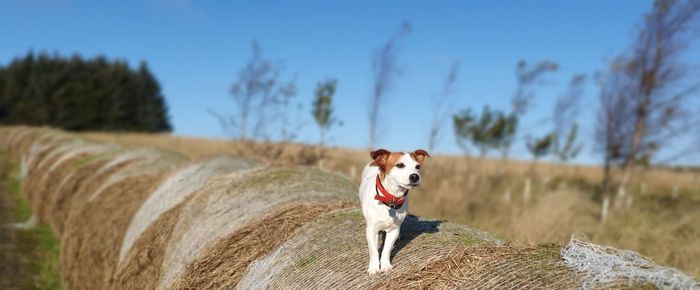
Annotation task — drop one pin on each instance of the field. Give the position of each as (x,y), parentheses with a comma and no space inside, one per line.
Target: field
(121,218)
(656,214)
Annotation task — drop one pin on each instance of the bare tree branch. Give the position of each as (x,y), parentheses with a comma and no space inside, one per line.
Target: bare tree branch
(440,112)
(385,68)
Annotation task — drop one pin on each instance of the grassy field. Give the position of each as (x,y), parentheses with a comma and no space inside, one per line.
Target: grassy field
(657,214)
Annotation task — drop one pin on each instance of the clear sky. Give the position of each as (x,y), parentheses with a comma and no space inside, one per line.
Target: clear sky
(195,49)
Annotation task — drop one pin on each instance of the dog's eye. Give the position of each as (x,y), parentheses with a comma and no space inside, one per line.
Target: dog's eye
(417,166)
(400,165)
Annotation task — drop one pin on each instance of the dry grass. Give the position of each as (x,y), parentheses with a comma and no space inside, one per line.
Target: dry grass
(657,216)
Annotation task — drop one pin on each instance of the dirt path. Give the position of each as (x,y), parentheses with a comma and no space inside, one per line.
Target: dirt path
(22,252)
(15,267)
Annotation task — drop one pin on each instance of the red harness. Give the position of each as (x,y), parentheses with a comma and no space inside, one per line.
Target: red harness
(387,198)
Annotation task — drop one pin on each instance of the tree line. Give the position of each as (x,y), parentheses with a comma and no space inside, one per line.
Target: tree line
(81,94)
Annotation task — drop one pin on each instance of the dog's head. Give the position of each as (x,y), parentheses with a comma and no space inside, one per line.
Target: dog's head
(399,167)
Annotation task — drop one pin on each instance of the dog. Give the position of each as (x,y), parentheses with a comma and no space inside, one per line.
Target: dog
(386,181)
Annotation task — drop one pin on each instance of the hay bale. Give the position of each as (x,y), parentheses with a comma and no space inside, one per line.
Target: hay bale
(67,166)
(95,228)
(332,253)
(32,185)
(145,162)
(28,160)
(60,202)
(141,268)
(17,139)
(94,231)
(228,205)
(492,267)
(175,189)
(222,265)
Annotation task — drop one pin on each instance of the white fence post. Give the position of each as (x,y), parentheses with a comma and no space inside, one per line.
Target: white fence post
(526,190)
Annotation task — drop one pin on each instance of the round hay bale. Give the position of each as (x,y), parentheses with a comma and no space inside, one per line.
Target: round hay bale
(332,253)
(67,166)
(66,163)
(127,156)
(95,229)
(42,156)
(175,189)
(146,161)
(228,205)
(491,267)
(123,164)
(80,188)
(29,160)
(32,181)
(60,200)
(17,140)
(141,268)
(222,265)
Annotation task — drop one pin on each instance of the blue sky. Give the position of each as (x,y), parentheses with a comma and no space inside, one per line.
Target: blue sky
(195,49)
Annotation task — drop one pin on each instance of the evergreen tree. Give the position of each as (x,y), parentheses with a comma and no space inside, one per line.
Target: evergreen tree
(80,95)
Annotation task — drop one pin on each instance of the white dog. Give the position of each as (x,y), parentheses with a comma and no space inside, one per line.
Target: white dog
(384,198)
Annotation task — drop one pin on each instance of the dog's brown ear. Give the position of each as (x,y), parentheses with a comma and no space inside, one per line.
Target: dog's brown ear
(380,157)
(419,155)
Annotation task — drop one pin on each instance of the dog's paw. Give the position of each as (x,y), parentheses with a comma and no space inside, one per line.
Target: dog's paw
(386,266)
(373,269)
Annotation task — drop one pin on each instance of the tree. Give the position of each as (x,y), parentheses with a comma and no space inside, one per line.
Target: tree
(463,124)
(262,100)
(264,104)
(567,148)
(528,78)
(613,129)
(503,132)
(647,97)
(440,106)
(81,94)
(541,147)
(385,69)
(565,145)
(322,108)
(662,88)
(491,130)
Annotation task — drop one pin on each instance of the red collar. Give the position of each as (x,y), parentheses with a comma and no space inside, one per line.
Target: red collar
(387,198)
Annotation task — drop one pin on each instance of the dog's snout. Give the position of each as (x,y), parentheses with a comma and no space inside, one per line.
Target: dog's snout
(414,178)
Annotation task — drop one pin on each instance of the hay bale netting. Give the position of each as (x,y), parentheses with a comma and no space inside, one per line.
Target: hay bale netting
(219,223)
(96,224)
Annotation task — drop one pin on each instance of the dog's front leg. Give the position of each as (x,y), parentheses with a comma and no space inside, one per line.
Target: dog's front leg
(391,236)
(372,236)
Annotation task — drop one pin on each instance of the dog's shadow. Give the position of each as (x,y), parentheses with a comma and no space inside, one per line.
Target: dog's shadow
(411,228)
